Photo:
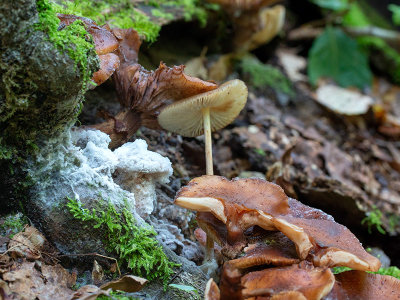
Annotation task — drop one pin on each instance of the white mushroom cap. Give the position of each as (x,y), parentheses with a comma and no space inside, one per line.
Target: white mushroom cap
(185,116)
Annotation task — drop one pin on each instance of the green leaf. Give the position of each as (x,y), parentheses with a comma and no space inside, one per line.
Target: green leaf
(395,9)
(337,56)
(186,288)
(335,5)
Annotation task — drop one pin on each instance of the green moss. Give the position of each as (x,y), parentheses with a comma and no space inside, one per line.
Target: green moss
(117,295)
(73,39)
(337,270)
(125,14)
(12,224)
(374,219)
(391,271)
(261,75)
(136,246)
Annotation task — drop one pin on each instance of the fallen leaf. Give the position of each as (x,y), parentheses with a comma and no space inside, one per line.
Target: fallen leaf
(27,244)
(292,64)
(97,273)
(343,101)
(27,282)
(89,292)
(127,283)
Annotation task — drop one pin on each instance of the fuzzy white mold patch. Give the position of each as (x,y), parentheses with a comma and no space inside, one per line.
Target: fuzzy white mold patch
(83,167)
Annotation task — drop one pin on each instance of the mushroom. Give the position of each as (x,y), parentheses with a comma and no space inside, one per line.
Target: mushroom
(105,43)
(366,286)
(273,249)
(313,283)
(143,94)
(204,113)
(212,291)
(242,203)
(328,243)
(229,203)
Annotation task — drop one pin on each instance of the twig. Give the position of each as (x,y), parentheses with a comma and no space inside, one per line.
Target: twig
(385,34)
(311,32)
(94,254)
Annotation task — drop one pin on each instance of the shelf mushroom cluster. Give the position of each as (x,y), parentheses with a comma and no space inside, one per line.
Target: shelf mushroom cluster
(275,247)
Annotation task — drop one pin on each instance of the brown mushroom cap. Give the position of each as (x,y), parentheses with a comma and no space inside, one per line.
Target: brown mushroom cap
(274,249)
(212,291)
(185,116)
(329,243)
(242,203)
(108,64)
(365,286)
(104,40)
(313,283)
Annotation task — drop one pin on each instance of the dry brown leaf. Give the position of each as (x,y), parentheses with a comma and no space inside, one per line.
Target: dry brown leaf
(27,282)
(27,244)
(127,283)
(89,292)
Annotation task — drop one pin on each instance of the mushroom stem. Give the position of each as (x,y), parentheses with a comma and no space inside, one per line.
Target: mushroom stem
(209,255)
(207,136)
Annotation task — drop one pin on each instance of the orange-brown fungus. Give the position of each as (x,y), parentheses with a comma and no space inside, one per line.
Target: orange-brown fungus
(212,291)
(273,249)
(366,286)
(313,283)
(144,93)
(242,203)
(104,41)
(108,64)
(332,244)
(239,204)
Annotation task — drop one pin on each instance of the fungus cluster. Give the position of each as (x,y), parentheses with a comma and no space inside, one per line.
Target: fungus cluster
(274,247)
(141,93)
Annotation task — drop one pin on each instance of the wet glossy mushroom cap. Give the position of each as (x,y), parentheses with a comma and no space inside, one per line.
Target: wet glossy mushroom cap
(108,64)
(274,249)
(185,116)
(366,286)
(329,243)
(239,203)
(312,283)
